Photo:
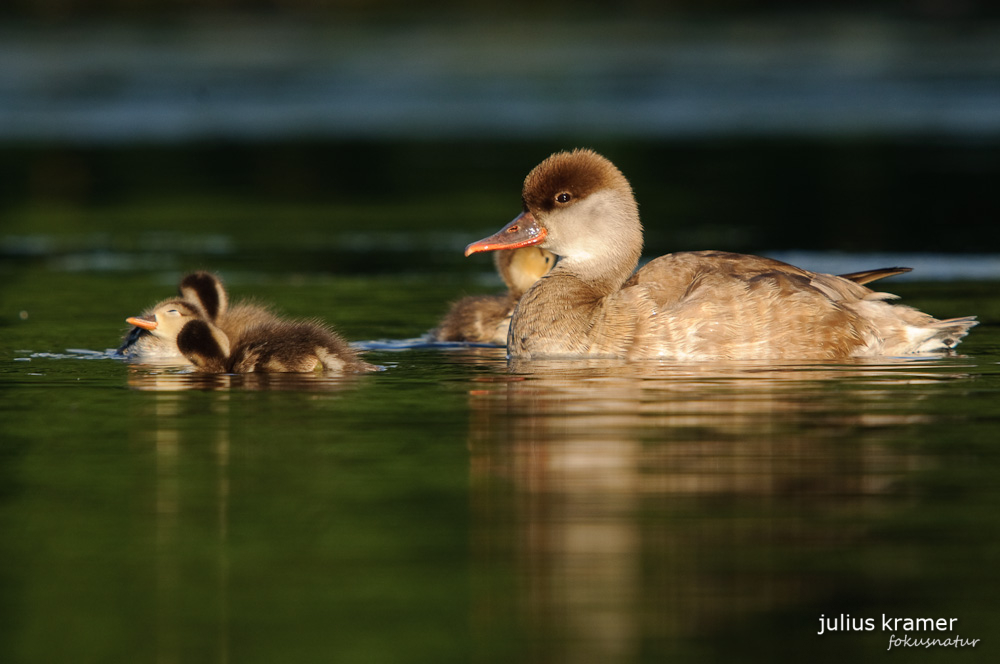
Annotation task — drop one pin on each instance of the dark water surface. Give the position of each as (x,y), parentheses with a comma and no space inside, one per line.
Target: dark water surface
(451,509)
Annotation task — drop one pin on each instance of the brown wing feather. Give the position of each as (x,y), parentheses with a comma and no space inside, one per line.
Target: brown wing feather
(751,306)
(868,276)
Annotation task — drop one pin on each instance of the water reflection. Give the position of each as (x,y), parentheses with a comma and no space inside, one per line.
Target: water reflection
(641,505)
(165,432)
(171,379)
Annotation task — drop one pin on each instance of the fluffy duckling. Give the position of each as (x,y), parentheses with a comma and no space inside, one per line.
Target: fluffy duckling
(269,347)
(486,318)
(204,329)
(201,291)
(696,305)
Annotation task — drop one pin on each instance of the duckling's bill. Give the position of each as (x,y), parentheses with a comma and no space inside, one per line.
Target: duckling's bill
(144,323)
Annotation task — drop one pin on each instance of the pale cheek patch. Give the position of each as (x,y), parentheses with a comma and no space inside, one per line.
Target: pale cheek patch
(591,229)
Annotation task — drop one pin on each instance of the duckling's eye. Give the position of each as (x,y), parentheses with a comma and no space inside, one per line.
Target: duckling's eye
(173,312)
(563,197)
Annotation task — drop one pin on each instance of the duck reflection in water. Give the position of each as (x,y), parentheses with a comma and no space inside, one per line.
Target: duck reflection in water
(168,379)
(643,503)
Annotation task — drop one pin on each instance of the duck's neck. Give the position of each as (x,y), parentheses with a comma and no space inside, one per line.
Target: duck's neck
(599,240)
(600,276)
(555,317)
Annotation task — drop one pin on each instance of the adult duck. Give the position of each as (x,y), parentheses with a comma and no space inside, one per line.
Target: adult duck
(486,318)
(700,305)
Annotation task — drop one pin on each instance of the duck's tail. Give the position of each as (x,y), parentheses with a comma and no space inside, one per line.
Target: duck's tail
(940,335)
(868,276)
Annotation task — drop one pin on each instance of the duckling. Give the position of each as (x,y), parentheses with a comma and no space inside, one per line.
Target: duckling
(269,347)
(218,338)
(486,318)
(199,290)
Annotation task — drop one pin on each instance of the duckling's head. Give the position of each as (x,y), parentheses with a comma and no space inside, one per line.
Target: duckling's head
(520,268)
(167,318)
(204,345)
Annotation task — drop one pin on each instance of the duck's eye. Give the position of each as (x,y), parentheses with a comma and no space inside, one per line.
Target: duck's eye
(173,312)
(563,197)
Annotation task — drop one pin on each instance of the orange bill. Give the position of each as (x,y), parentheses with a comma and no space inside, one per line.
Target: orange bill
(524,231)
(144,323)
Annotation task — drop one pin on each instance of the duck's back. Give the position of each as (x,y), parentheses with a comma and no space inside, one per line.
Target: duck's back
(719,305)
(237,319)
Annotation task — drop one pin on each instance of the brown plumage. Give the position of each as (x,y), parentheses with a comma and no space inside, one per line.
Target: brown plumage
(868,276)
(269,347)
(486,318)
(203,292)
(206,290)
(204,329)
(702,305)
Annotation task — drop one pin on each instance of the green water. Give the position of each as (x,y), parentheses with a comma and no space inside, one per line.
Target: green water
(446,509)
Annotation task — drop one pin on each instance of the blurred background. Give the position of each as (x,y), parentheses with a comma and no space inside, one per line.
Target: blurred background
(381,136)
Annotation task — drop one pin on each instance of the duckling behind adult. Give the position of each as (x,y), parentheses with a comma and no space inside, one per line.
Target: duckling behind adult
(702,305)
(486,318)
